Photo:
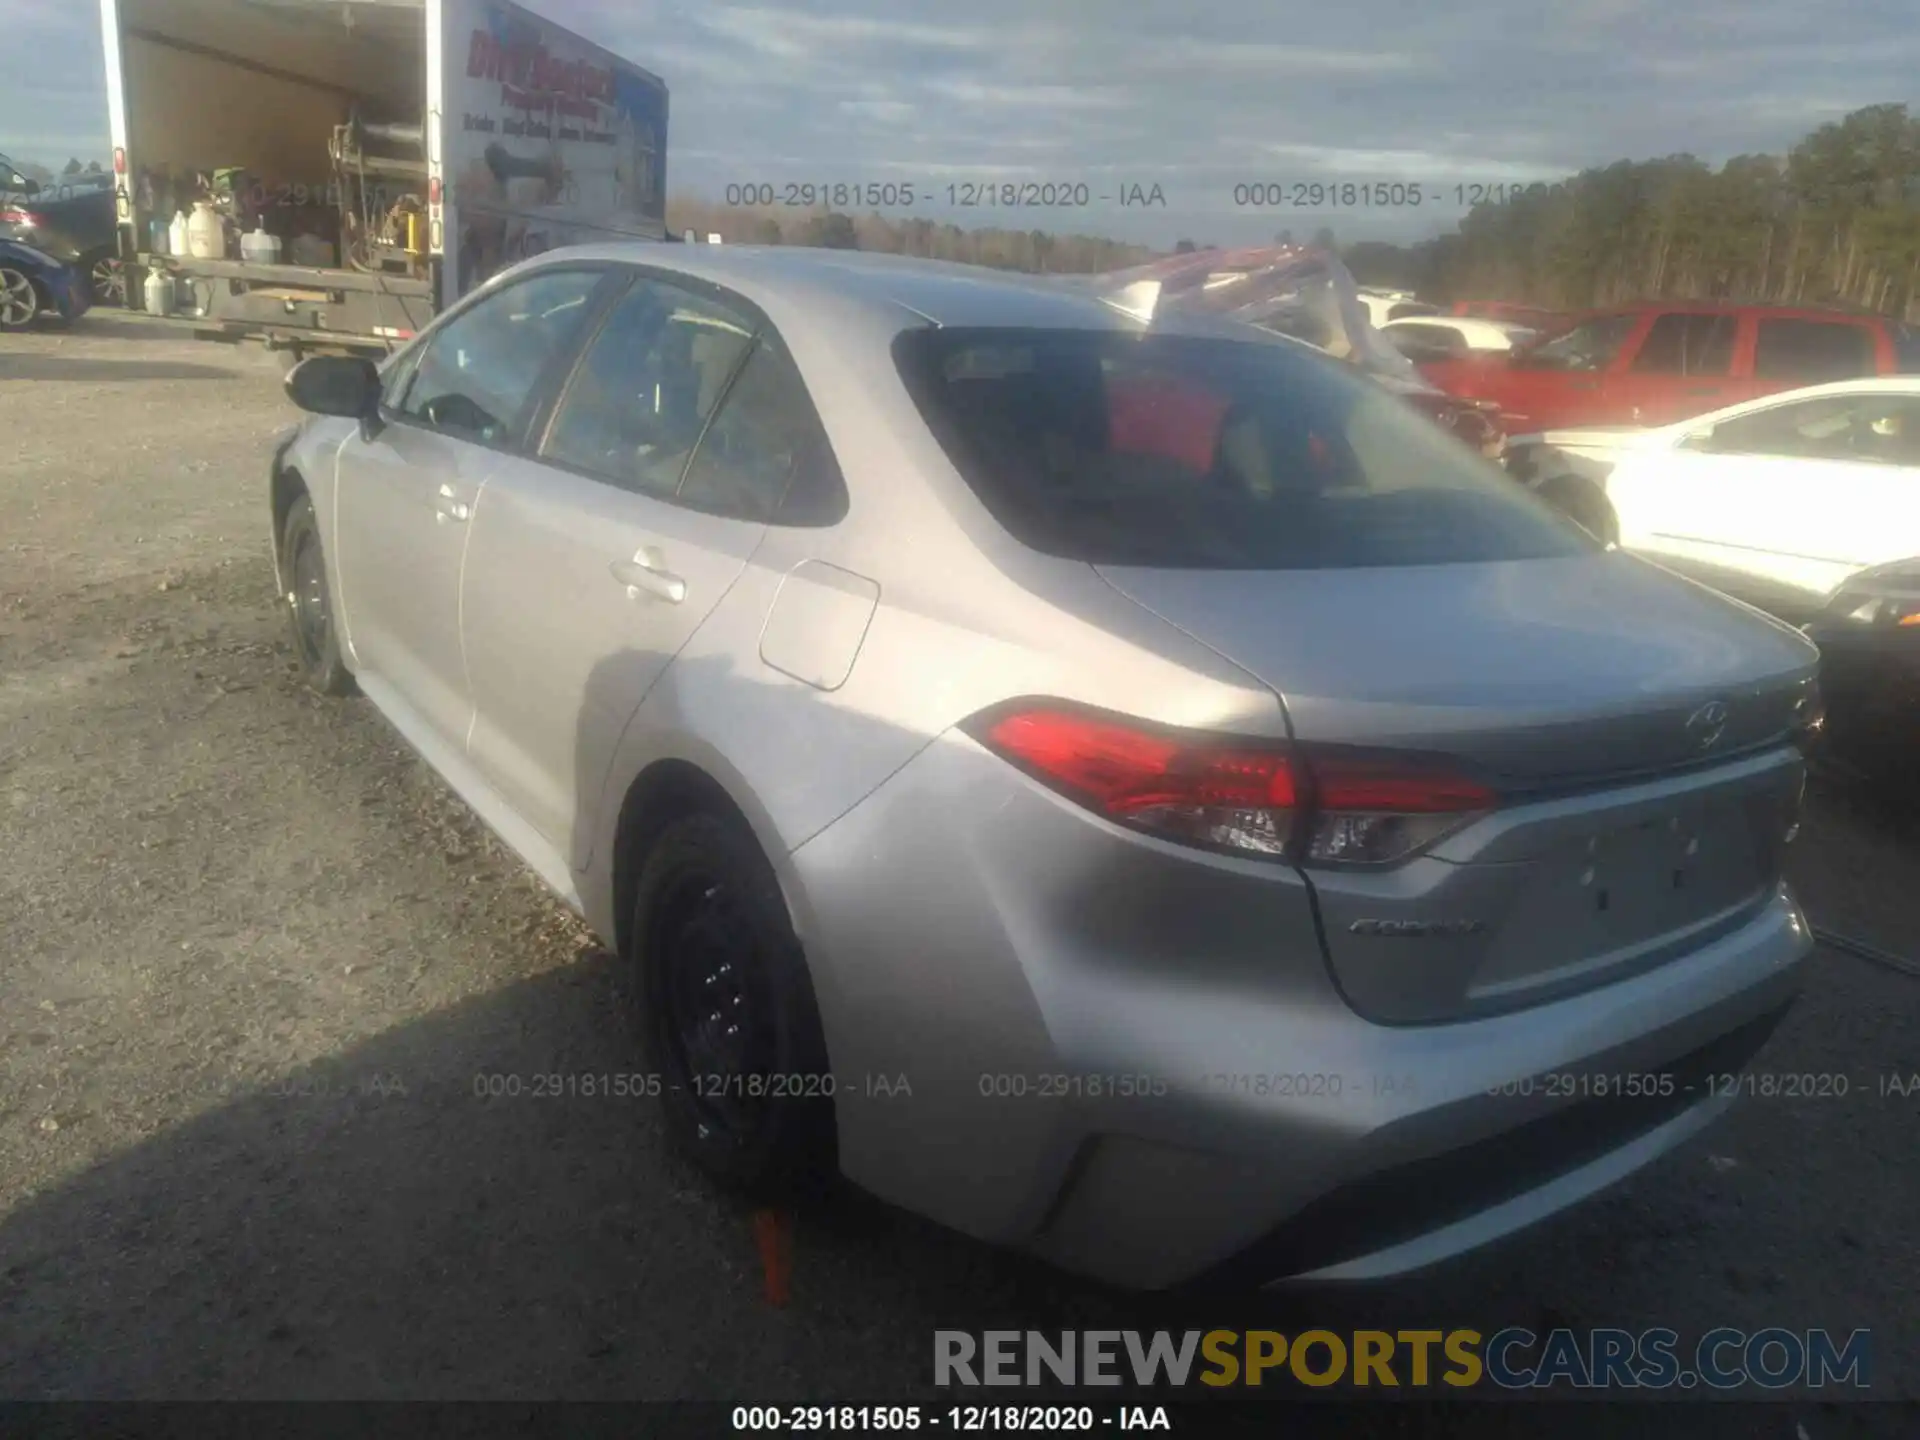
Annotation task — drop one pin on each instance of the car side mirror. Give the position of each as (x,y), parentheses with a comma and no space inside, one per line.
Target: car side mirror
(341,385)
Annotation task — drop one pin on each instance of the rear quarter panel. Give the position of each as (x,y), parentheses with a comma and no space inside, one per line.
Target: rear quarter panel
(962,618)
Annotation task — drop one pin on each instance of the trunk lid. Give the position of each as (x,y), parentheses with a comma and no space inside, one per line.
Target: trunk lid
(1635,722)
(1537,673)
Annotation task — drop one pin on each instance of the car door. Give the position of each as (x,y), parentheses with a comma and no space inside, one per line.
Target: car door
(1781,504)
(1561,381)
(586,573)
(407,489)
(1682,367)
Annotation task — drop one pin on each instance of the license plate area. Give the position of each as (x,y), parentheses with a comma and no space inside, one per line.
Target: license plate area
(1628,893)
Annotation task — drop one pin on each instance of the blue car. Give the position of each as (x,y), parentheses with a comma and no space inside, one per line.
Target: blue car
(35,286)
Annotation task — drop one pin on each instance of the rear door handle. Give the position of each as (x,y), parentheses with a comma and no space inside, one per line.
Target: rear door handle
(641,578)
(449,506)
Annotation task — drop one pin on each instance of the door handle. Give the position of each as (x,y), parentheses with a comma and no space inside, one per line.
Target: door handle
(641,578)
(449,506)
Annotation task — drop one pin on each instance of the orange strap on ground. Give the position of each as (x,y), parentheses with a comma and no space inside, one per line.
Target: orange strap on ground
(773,1233)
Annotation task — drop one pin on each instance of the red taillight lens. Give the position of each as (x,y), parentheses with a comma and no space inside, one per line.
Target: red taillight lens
(1258,799)
(19,217)
(433,191)
(119,161)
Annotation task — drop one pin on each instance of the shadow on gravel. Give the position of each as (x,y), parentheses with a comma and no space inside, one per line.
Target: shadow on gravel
(381,1227)
(115,324)
(426,1216)
(60,367)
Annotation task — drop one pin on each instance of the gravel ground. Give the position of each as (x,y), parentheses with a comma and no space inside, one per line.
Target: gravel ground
(255,957)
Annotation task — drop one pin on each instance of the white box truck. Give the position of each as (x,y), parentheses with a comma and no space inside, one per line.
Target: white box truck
(350,167)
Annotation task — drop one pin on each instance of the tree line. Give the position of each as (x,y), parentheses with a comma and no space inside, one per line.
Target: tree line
(1834,221)
(1035,251)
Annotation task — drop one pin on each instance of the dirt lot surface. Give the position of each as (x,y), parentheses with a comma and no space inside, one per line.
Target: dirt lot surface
(255,958)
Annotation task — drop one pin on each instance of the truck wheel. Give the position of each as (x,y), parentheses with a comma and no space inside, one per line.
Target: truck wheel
(1584,503)
(19,299)
(725,1008)
(309,601)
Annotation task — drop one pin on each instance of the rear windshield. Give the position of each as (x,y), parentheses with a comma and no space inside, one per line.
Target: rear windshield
(1186,453)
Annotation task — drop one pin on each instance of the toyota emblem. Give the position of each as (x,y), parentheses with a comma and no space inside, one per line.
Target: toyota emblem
(1706,725)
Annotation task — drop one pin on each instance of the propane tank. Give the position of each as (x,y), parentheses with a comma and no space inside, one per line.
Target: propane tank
(159,292)
(177,234)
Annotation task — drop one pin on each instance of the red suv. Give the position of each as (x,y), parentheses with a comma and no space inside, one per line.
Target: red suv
(1659,363)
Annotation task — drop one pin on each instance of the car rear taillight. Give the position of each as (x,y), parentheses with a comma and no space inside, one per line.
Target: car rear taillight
(119,161)
(1241,796)
(24,218)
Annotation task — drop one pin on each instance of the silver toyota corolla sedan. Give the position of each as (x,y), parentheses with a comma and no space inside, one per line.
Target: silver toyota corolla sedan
(1123,786)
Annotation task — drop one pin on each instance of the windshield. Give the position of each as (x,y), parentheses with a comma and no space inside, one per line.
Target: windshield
(1210,454)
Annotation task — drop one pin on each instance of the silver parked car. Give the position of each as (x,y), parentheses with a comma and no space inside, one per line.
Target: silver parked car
(1123,786)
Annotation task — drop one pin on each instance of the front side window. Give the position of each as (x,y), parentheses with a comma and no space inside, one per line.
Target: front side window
(1874,429)
(1687,345)
(636,405)
(1588,346)
(1192,453)
(477,374)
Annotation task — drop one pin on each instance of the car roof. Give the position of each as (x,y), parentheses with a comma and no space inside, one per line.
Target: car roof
(902,289)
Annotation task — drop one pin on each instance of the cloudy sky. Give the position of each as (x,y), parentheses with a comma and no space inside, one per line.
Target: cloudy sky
(1196,98)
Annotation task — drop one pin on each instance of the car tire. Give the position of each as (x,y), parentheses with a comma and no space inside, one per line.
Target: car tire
(724,1005)
(1584,503)
(20,299)
(107,279)
(309,602)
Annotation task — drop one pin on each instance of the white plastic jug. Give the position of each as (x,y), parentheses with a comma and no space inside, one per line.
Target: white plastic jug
(159,292)
(206,235)
(257,247)
(177,234)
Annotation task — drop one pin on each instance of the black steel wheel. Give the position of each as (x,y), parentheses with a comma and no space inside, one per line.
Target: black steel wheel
(309,601)
(726,1010)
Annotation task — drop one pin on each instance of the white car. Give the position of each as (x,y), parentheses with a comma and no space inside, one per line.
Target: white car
(1776,501)
(1448,337)
(1384,306)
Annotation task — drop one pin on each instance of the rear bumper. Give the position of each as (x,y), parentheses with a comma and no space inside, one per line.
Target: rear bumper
(1132,1061)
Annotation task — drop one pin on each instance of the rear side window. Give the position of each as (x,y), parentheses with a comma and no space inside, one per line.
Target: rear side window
(1408,308)
(1812,351)
(1200,453)
(765,457)
(1906,349)
(1687,345)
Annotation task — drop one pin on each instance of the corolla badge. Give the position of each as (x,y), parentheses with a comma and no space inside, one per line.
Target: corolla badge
(1417,929)
(1707,724)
